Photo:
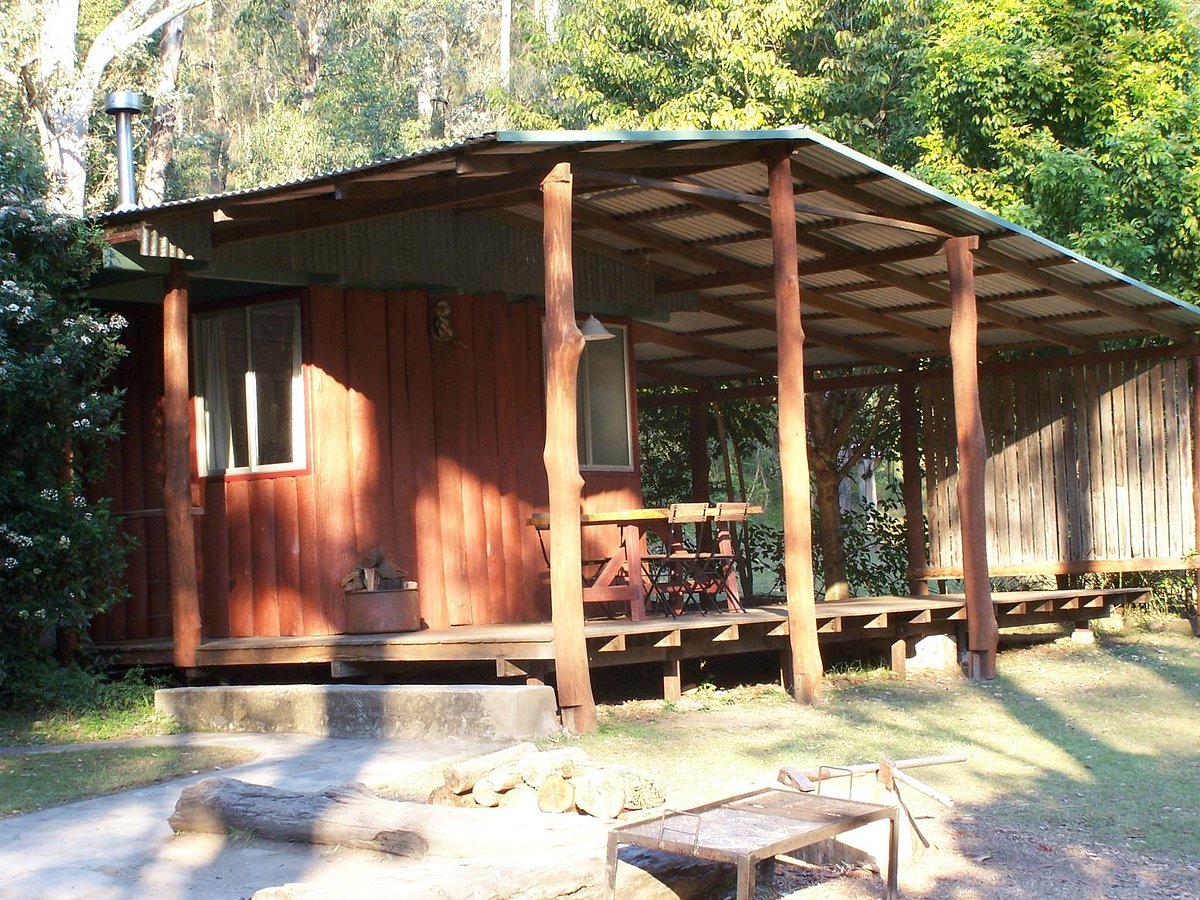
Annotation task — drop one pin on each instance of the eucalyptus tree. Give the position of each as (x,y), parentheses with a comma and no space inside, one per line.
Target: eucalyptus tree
(57,65)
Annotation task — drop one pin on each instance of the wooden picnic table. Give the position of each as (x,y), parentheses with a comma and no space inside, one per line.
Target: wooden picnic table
(620,575)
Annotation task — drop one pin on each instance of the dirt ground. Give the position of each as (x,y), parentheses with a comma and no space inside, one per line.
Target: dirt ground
(972,860)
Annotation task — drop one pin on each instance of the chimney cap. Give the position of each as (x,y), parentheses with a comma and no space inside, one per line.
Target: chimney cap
(123,101)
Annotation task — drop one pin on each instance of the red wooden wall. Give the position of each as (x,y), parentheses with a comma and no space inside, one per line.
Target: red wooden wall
(430,450)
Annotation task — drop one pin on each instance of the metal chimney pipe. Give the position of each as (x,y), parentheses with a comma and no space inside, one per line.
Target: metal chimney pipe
(124,105)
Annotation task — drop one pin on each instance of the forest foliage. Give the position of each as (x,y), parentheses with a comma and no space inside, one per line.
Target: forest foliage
(1079,119)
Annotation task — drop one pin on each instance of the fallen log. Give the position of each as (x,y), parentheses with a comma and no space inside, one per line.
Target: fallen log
(461,776)
(351,815)
(641,875)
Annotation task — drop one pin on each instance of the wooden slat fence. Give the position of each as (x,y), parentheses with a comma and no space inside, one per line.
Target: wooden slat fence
(1091,463)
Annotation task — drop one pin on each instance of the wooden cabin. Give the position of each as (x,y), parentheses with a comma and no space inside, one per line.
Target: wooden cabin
(366,359)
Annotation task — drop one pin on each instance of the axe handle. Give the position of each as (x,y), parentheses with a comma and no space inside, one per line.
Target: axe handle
(921,786)
(867,768)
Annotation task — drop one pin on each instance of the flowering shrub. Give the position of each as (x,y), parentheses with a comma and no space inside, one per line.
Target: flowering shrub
(61,557)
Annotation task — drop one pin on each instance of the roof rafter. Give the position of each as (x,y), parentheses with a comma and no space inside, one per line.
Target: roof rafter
(652,334)
(1019,268)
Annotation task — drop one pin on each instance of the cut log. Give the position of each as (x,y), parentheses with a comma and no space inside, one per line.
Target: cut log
(461,776)
(352,816)
(444,796)
(540,766)
(600,793)
(556,795)
(483,794)
(641,792)
(521,797)
(504,778)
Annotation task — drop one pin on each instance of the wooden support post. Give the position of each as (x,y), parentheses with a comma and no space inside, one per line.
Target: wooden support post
(914,508)
(177,480)
(793,440)
(900,657)
(698,450)
(672,678)
(1195,616)
(564,347)
(982,633)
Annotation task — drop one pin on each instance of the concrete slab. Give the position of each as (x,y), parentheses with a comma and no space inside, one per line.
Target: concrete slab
(409,712)
(119,847)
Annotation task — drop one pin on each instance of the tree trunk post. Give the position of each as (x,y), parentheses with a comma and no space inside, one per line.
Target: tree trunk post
(982,632)
(914,511)
(698,450)
(1196,484)
(564,346)
(793,443)
(177,481)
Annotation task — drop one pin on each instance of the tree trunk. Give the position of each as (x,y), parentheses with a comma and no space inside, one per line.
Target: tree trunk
(350,815)
(833,545)
(61,95)
(164,119)
(218,149)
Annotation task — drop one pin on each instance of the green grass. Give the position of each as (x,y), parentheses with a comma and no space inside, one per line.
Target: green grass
(1097,745)
(32,781)
(136,719)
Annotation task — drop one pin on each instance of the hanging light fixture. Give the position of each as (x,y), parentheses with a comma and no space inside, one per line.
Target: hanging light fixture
(593,329)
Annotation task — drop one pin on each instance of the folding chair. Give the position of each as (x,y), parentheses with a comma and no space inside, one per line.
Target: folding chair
(675,573)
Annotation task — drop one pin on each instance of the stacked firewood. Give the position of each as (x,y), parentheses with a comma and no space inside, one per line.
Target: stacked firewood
(375,572)
(556,781)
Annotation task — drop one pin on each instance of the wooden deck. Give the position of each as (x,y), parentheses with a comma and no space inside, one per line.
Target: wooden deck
(527,649)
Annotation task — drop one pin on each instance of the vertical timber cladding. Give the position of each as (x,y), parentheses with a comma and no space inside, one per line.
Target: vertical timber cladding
(417,446)
(1084,463)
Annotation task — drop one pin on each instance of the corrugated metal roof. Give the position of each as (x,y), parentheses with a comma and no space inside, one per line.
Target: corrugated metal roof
(688,208)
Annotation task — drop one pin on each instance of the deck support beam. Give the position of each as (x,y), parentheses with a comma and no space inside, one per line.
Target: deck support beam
(564,347)
(793,440)
(177,479)
(1196,485)
(914,512)
(982,632)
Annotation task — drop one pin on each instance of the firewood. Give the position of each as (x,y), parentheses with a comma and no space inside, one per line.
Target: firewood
(540,766)
(484,795)
(461,777)
(350,815)
(640,791)
(504,778)
(520,797)
(600,793)
(556,795)
(446,797)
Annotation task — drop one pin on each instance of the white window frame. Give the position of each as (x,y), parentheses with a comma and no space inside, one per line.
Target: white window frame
(585,426)
(299,458)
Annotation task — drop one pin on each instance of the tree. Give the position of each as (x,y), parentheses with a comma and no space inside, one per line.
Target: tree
(59,90)
(1079,119)
(60,555)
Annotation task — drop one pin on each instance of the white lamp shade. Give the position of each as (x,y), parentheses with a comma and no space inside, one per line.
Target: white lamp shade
(593,329)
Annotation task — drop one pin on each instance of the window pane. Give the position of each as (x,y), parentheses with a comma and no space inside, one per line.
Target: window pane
(608,411)
(273,352)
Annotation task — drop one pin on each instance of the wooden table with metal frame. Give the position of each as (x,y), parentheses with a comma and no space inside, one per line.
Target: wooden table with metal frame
(753,828)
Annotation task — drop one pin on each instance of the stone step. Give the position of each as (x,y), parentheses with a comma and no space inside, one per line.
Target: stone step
(414,712)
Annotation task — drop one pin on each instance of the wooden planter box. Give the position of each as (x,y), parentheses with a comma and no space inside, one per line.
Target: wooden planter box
(381,612)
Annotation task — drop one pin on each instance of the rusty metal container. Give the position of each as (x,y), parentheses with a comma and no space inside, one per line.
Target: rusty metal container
(382,612)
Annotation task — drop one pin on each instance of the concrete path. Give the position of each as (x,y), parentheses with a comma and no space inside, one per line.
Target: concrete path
(120,846)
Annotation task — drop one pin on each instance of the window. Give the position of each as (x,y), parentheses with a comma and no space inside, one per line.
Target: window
(603,404)
(250,388)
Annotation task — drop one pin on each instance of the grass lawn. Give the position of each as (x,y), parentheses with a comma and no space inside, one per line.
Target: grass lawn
(136,719)
(1093,745)
(31,781)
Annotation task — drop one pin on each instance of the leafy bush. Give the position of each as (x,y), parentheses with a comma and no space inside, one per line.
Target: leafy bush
(61,557)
